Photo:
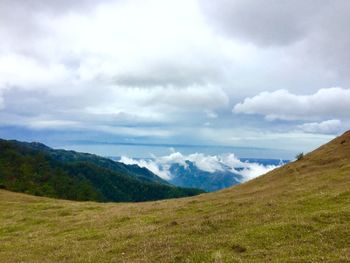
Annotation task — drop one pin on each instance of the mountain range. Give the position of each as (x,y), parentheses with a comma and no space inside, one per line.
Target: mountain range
(206,172)
(36,169)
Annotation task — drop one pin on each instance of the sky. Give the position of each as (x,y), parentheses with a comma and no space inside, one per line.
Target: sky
(270,74)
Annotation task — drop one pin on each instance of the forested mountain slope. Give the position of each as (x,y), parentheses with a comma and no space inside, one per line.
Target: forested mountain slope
(36,169)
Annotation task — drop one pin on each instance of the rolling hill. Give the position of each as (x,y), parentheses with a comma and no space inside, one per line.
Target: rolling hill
(39,170)
(297,213)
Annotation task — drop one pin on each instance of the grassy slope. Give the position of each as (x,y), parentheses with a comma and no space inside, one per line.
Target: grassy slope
(298,213)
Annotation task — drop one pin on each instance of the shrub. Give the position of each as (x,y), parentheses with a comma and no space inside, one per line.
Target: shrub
(299,156)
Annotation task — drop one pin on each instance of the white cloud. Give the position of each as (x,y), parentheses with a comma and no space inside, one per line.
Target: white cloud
(27,73)
(283,105)
(326,127)
(316,30)
(136,43)
(150,165)
(205,162)
(211,114)
(208,163)
(56,124)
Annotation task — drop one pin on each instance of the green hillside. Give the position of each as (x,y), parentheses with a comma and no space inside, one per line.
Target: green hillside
(36,169)
(297,213)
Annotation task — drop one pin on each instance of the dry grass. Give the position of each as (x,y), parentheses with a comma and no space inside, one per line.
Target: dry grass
(299,213)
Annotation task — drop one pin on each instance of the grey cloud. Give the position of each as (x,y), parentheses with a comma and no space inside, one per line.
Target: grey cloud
(192,97)
(269,22)
(170,73)
(21,21)
(316,31)
(325,127)
(40,6)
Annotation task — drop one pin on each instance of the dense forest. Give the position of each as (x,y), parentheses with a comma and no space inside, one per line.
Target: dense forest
(36,169)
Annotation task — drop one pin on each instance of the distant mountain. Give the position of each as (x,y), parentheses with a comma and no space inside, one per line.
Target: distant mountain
(192,176)
(208,172)
(37,169)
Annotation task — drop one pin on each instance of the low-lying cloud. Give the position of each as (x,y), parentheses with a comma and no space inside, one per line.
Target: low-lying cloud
(209,163)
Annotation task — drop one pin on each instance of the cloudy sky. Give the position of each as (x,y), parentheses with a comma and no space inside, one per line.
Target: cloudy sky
(246,73)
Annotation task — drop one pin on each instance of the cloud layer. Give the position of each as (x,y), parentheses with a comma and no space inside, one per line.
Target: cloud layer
(173,70)
(314,29)
(209,163)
